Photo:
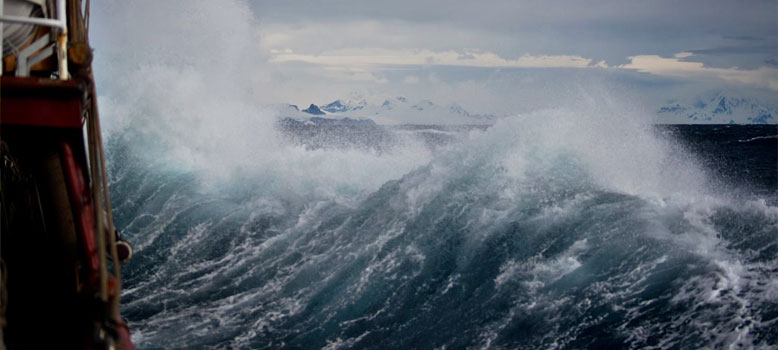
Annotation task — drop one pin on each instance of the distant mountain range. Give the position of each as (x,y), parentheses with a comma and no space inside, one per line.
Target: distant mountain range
(711,108)
(313,109)
(393,110)
(719,108)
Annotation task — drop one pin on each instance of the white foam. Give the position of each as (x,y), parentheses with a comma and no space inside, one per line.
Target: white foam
(185,79)
(759,138)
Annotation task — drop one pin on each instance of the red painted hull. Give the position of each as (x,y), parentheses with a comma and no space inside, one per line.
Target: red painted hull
(41,102)
(41,128)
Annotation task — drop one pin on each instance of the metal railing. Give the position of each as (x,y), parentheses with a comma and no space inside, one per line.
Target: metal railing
(33,54)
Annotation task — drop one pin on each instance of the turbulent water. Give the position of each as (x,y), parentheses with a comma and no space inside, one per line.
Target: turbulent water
(579,227)
(559,229)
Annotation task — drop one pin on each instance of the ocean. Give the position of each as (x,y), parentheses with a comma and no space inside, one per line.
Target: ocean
(546,231)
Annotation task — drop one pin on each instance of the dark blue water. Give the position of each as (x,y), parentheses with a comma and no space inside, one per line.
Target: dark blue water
(532,234)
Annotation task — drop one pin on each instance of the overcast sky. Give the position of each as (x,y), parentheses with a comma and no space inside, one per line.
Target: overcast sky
(483,54)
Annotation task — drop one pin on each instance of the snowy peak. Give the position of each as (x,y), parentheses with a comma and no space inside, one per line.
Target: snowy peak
(334,107)
(457,109)
(385,110)
(719,108)
(400,110)
(313,109)
(723,106)
(339,106)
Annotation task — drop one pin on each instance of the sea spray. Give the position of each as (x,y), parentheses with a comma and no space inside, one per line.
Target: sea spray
(574,227)
(508,239)
(178,78)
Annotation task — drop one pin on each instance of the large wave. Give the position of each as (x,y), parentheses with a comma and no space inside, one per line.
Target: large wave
(543,231)
(576,227)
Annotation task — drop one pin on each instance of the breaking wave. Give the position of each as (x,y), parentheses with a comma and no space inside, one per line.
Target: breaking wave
(568,228)
(546,230)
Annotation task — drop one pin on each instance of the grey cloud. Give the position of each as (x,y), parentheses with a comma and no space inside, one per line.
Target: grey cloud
(466,56)
(216,41)
(607,30)
(732,18)
(735,50)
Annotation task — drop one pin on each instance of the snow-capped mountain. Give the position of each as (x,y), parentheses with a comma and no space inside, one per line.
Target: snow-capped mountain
(339,106)
(718,108)
(313,109)
(401,110)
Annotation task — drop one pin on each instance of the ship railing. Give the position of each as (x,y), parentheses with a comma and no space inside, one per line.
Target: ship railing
(33,54)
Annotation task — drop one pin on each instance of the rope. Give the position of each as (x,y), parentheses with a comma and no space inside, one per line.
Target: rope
(94,167)
(87,17)
(100,192)
(107,197)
